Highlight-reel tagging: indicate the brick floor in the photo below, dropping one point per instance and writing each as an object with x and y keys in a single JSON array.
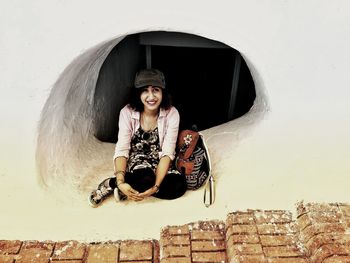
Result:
[
  {"x": 195, "y": 242},
  {"x": 103, "y": 252},
  {"x": 319, "y": 233},
  {"x": 69, "y": 250}
]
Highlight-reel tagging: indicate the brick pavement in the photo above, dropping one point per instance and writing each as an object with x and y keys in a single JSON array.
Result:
[
  {"x": 318, "y": 233},
  {"x": 75, "y": 252}
]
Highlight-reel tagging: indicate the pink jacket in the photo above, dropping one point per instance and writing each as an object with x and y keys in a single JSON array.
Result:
[{"x": 168, "y": 127}]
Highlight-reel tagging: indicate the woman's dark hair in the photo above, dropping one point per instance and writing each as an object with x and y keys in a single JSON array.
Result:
[{"x": 136, "y": 103}]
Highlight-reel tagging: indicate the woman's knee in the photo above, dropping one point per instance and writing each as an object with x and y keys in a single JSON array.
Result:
[
  {"x": 172, "y": 187},
  {"x": 141, "y": 179}
]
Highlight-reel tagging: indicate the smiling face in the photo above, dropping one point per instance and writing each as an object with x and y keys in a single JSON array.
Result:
[{"x": 151, "y": 98}]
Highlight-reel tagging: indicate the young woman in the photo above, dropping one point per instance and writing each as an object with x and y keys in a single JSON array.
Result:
[{"x": 148, "y": 130}]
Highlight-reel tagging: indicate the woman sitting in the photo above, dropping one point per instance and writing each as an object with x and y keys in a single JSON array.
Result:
[{"x": 145, "y": 150}]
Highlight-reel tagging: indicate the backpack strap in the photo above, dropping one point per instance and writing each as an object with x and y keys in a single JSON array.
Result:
[
  {"x": 209, "y": 189},
  {"x": 209, "y": 192}
]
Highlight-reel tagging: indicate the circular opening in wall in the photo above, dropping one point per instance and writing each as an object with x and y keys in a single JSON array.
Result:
[{"x": 209, "y": 81}]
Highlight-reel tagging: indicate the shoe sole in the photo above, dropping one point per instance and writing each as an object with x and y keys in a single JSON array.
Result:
[
  {"x": 116, "y": 195},
  {"x": 91, "y": 204}
]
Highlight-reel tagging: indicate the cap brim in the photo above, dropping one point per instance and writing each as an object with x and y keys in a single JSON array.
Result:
[{"x": 145, "y": 83}]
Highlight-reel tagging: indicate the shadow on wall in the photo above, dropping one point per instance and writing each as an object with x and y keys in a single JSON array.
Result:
[{"x": 210, "y": 83}]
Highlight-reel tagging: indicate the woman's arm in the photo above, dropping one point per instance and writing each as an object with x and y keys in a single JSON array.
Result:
[
  {"x": 122, "y": 147},
  {"x": 120, "y": 168},
  {"x": 162, "y": 169},
  {"x": 121, "y": 154},
  {"x": 171, "y": 134}
]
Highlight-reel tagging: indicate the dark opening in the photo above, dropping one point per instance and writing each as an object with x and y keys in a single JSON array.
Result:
[
  {"x": 210, "y": 83},
  {"x": 199, "y": 80}
]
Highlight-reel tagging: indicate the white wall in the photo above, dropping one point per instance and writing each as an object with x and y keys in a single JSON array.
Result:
[{"x": 299, "y": 149}]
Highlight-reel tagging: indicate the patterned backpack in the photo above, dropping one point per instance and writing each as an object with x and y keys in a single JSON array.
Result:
[{"x": 192, "y": 158}]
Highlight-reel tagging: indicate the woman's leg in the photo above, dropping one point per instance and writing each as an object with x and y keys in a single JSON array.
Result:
[
  {"x": 141, "y": 179},
  {"x": 173, "y": 186}
]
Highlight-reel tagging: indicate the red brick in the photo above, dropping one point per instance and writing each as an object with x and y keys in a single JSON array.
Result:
[
  {"x": 46, "y": 245},
  {"x": 267, "y": 211},
  {"x": 321, "y": 208},
  {"x": 341, "y": 239},
  {"x": 33, "y": 256},
  {"x": 301, "y": 209},
  {"x": 277, "y": 240},
  {"x": 264, "y": 217},
  {"x": 69, "y": 250},
  {"x": 240, "y": 218},
  {"x": 337, "y": 259},
  {"x": 330, "y": 250},
  {"x": 176, "y": 251},
  {"x": 106, "y": 253},
  {"x": 6, "y": 258},
  {"x": 202, "y": 234},
  {"x": 276, "y": 229},
  {"x": 136, "y": 250},
  {"x": 10, "y": 246},
  {"x": 209, "y": 257},
  {"x": 241, "y": 229},
  {"x": 67, "y": 261},
  {"x": 248, "y": 259},
  {"x": 242, "y": 249},
  {"x": 347, "y": 222},
  {"x": 345, "y": 209},
  {"x": 156, "y": 251},
  {"x": 289, "y": 260},
  {"x": 131, "y": 261},
  {"x": 283, "y": 251},
  {"x": 303, "y": 221},
  {"x": 246, "y": 249},
  {"x": 250, "y": 239},
  {"x": 208, "y": 245},
  {"x": 330, "y": 217},
  {"x": 326, "y": 238},
  {"x": 34, "y": 251},
  {"x": 317, "y": 229},
  {"x": 175, "y": 240},
  {"x": 176, "y": 260},
  {"x": 178, "y": 230},
  {"x": 212, "y": 225}
]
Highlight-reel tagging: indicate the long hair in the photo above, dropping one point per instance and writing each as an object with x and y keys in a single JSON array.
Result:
[{"x": 136, "y": 104}]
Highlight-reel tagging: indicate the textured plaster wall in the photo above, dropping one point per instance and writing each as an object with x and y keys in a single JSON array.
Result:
[{"x": 293, "y": 145}]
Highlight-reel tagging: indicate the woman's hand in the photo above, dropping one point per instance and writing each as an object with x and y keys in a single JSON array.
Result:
[
  {"x": 131, "y": 193},
  {"x": 149, "y": 192}
]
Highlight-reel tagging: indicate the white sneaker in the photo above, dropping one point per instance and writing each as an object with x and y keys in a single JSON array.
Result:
[{"x": 116, "y": 195}]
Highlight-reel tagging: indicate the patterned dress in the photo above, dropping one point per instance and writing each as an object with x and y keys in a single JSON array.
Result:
[{"x": 144, "y": 152}]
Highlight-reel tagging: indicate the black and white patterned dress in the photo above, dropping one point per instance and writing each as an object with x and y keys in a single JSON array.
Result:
[{"x": 144, "y": 152}]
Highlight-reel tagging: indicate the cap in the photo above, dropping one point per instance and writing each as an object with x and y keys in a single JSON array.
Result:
[{"x": 146, "y": 77}]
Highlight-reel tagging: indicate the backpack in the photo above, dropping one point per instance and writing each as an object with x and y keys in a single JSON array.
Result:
[{"x": 192, "y": 158}]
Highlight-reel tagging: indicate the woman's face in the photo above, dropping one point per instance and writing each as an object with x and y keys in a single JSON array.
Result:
[{"x": 151, "y": 97}]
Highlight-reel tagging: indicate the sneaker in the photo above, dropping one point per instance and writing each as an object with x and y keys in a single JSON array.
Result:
[
  {"x": 102, "y": 192},
  {"x": 118, "y": 195}
]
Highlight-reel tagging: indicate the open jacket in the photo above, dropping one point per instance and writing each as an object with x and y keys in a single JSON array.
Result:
[{"x": 129, "y": 123}]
